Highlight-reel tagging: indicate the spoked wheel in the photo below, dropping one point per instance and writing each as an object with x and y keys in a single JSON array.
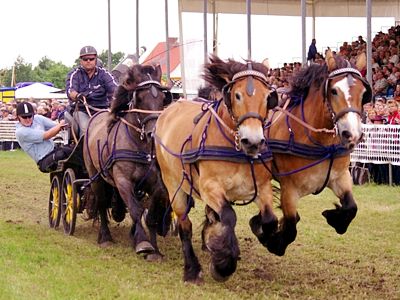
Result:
[
  {"x": 54, "y": 202},
  {"x": 69, "y": 202}
]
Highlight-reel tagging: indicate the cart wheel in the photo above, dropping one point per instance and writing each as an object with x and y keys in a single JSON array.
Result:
[
  {"x": 54, "y": 202},
  {"x": 69, "y": 202}
]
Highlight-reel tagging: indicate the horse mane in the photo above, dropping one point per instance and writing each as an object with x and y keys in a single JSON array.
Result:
[
  {"x": 219, "y": 72},
  {"x": 209, "y": 92},
  {"x": 135, "y": 75},
  {"x": 313, "y": 76}
]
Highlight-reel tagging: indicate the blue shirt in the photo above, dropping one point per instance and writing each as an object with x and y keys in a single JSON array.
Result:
[
  {"x": 31, "y": 138},
  {"x": 98, "y": 90}
]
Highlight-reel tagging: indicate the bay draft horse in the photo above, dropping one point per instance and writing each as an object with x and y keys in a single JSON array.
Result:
[
  {"x": 210, "y": 151},
  {"x": 311, "y": 143},
  {"x": 118, "y": 152}
]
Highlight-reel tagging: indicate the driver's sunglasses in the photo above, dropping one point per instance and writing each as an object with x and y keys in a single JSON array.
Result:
[
  {"x": 26, "y": 117},
  {"x": 88, "y": 58}
]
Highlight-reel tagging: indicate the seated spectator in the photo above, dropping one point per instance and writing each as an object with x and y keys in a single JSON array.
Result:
[
  {"x": 61, "y": 110},
  {"x": 396, "y": 95},
  {"x": 5, "y": 114},
  {"x": 392, "y": 82},
  {"x": 54, "y": 110},
  {"x": 394, "y": 57},
  {"x": 393, "y": 116},
  {"x": 380, "y": 86},
  {"x": 373, "y": 118}
]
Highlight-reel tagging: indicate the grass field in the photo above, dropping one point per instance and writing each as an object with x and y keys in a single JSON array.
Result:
[{"x": 37, "y": 262}]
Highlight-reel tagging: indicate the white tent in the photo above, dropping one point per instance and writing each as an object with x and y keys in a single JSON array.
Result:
[{"x": 39, "y": 91}]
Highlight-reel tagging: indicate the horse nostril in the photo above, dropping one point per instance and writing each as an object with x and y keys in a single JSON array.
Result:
[
  {"x": 346, "y": 134},
  {"x": 149, "y": 135},
  {"x": 245, "y": 141},
  {"x": 262, "y": 142}
]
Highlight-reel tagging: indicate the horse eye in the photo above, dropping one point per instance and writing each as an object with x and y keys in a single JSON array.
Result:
[
  {"x": 334, "y": 92},
  {"x": 237, "y": 96}
]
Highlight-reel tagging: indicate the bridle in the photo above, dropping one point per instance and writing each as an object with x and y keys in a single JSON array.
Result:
[
  {"x": 155, "y": 87},
  {"x": 226, "y": 91},
  {"x": 351, "y": 73}
]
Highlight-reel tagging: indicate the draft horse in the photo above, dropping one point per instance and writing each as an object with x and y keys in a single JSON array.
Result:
[
  {"x": 212, "y": 151},
  {"x": 311, "y": 142},
  {"x": 119, "y": 153}
]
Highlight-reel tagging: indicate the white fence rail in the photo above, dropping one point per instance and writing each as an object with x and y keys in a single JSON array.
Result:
[{"x": 381, "y": 145}]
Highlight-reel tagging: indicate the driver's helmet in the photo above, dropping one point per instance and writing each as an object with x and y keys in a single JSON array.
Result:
[
  {"x": 25, "y": 109},
  {"x": 88, "y": 50}
]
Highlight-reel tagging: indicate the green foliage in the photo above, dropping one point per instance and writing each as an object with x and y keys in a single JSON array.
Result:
[
  {"x": 42, "y": 263},
  {"x": 5, "y": 77},
  {"x": 24, "y": 71},
  {"x": 115, "y": 58},
  {"x": 48, "y": 70}
]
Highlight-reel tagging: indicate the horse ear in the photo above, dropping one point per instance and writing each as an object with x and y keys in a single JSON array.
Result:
[
  {"x": 158, "y": 71},
  {"x": 361, "y": 61},
  {"x": 128, "y": 81},
  {"x": 330, "y": 60}
]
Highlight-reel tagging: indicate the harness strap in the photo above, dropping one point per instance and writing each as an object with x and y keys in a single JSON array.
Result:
[{"x": 306, "y": 125}]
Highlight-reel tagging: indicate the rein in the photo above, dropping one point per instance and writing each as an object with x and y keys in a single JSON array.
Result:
[{"x": 305, "y": 124}]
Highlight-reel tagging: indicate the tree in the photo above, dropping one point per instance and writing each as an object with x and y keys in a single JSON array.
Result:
[
  {"x": 115, "y": 58},
  {"x": 50, "y": 71},
  {"x": 24, "y": 71}
]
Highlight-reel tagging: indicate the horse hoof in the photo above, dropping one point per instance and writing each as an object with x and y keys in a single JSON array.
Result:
[
  {"x": 337, "y": 220},
  {"x": 144, "y": 248},
  {"x": 197, "y": 280},
  {"x": 154, "y": 257},
  {"x": 105, "y": 244},
  {"x": 217, "y": 277}
]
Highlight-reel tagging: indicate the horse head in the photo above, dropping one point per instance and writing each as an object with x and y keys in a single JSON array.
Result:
[
  {"x": 346, "y": 91},
  {"x": 142, "y": 93},
  {"x": 247, "y": 97}
]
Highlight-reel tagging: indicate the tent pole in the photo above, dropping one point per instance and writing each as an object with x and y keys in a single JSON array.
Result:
[
  {"x": 205, "y": 30},
  {"x": 109, "y": 38},
  {"x": 248, "y": 11},
  {"x": 369, "y": 41},
  {"x": 182, "y": 52},
  {"x": 303, "y": 31},
  {"x": 137, "y": 30},
  {"x": 167, "y": 43}
]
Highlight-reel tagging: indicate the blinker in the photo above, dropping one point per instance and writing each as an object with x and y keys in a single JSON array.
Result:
[
  {"x": 154, "y": 91},
  {"x": 250, "y": 85}
]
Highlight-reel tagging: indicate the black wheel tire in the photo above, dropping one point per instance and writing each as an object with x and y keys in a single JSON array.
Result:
[
  {"x": 69, "y": 202},
  {"x": 55, "y": 202}
]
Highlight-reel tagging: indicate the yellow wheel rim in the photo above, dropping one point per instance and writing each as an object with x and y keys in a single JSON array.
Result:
[
  {"x": 69, "y": 203},
  {"x": 54, "y": 211}
]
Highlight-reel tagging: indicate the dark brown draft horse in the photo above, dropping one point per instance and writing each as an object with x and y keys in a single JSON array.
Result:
[
  {"x": 211, "y": 151},
  {"x": 311, "y": 143},
  {"x": 118, "y": 153}
]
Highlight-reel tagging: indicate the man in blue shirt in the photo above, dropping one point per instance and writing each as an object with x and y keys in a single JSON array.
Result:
[
  {"x": 312, "y": 51},
  {"x": 34, "y": 133},
  {"x": 91, "y": 82}
]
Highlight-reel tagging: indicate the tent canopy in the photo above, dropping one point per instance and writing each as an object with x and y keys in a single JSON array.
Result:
[
  {"x": 39, "y": 91},
  {"x": 316, "y": 8}
]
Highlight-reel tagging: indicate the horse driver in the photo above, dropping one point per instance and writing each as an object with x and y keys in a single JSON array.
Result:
[
  {"x": 34, "y": 133},
  {"x": 89, "y": 81}
]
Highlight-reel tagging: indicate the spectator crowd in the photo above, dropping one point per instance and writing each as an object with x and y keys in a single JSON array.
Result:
[{"x": 50, "y": 108}]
